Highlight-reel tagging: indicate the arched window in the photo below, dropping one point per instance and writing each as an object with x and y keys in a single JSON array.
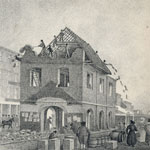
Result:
[
  {"x": 90, "y": 119},
  {"x": 101, "y": 120},
  {"x": 110, "y": 119}
]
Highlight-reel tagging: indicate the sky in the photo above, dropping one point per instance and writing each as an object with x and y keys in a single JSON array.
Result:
[{"x": 118, "y": 29}]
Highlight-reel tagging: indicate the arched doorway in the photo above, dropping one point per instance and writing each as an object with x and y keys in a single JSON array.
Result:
[
  {"x": 110, "y": 119},
  {"x": 101, "y": 120},
  {"x": 53, "y": 118},
  {"x": 90, "y": 119}
]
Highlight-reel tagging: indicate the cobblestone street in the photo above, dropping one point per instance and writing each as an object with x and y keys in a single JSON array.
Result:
[
  {"x": 138, "y": 146},
  {"x": 10, "y": 136},
  {"x": 124, "y": 146}
]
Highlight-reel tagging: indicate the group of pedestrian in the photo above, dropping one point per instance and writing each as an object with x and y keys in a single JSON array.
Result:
[
  {"x": 82, "y": 133},
  {"x": 131, "y": 133}
]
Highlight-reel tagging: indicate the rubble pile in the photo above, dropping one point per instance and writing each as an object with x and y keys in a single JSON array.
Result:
[{"x": 23, "y": 135}]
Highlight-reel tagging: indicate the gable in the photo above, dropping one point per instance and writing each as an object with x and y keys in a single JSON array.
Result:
[
  {"x": 67, "y": 42},
  {"x": 50, "y": 90}
]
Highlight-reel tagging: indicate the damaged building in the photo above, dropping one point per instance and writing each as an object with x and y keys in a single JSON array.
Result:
[
  {"x": 67, "y": 82},
  {"x": 9, "y": 85}
]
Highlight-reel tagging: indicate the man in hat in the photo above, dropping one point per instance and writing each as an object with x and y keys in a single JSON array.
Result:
[
  {"x": 74, "y": 127},
  {"x": 53, "y": 135},
  {"x": 83, "y": 135},
  {"x": 147, "y": 129}
]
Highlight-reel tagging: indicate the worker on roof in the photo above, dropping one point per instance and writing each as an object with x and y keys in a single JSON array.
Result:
[
  {"x": 55, "y": 41},
  {"x": 42, "y": 44},
  {"x": 61, "y": 35},
  {"x": 50, "y": 51},
  {"x": 67, "y": 51}
]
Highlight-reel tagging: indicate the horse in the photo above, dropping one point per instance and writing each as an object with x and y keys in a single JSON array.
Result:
[{"x": 8, "y": 122}]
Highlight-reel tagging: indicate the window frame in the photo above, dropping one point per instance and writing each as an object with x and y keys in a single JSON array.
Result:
[
  {"x": 110, "y": 92},
  {"x": 65, "y": 81},
  {"x": 31, "y": 77},
  {"x": 101, "y": 84},
  {"x": 89, "y": 86}
]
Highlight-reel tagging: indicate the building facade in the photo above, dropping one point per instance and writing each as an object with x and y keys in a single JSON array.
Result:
[
  {"x": 124, "y": 111},
  {"x": 67, "y": 82},
  {"x": 141, "y": 118},
  {"x": 9, "y": 84}
]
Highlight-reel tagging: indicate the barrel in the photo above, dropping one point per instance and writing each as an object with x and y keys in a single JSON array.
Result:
[
  {"x": 93, "y": 142},
  {"x": 102, "y": 140},
  {"x": 99, "y": 141},
  {"x": 120, "y": 137},
  {"x": 114, "y": 135},
  {"x": 107, "y": 138}
]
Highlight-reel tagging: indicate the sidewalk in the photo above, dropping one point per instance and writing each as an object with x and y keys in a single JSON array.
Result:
[
  {"x": 138, "y": 146},
  {"x": 124, "y": 146}
]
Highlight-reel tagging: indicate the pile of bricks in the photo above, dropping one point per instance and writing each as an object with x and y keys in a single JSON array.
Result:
[
  {"x": 31, "y": 140},
  {"x": 23, "y": 135}
]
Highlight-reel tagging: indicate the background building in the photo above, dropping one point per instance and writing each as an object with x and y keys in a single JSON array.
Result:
[
  {"x": 9, "y": 84},
  {"x": 124, "y": 111}
]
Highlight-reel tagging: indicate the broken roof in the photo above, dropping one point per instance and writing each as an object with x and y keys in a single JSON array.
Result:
[
  {"x": 50, "y": 90},
  {"x": 70, "y": 37}
]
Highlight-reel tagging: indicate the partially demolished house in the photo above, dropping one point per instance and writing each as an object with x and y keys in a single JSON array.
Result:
[{"x": 67, "y": 82}]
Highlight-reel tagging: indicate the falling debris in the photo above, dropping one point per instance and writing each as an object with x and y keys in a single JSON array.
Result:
[
  {"x": 125, "y": 88},
  {"x": 121, "y": 83}
]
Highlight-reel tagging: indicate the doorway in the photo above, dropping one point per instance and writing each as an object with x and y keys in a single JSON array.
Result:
[{"x": 53, "y": 118}]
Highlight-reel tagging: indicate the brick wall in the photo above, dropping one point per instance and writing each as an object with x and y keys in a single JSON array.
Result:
[
  {"x": 111, "y": 99},
  {"x": 50, "y": 73},
  {"x": 78, "y": 84}
]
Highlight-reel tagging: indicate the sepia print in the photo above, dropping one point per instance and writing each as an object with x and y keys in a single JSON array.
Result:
[{"x": 74, "y": 75}]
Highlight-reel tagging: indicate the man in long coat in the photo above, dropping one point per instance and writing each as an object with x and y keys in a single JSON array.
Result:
[
  {"x": 83, "y": 135},
  {"x": 131, "y": 136}
]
